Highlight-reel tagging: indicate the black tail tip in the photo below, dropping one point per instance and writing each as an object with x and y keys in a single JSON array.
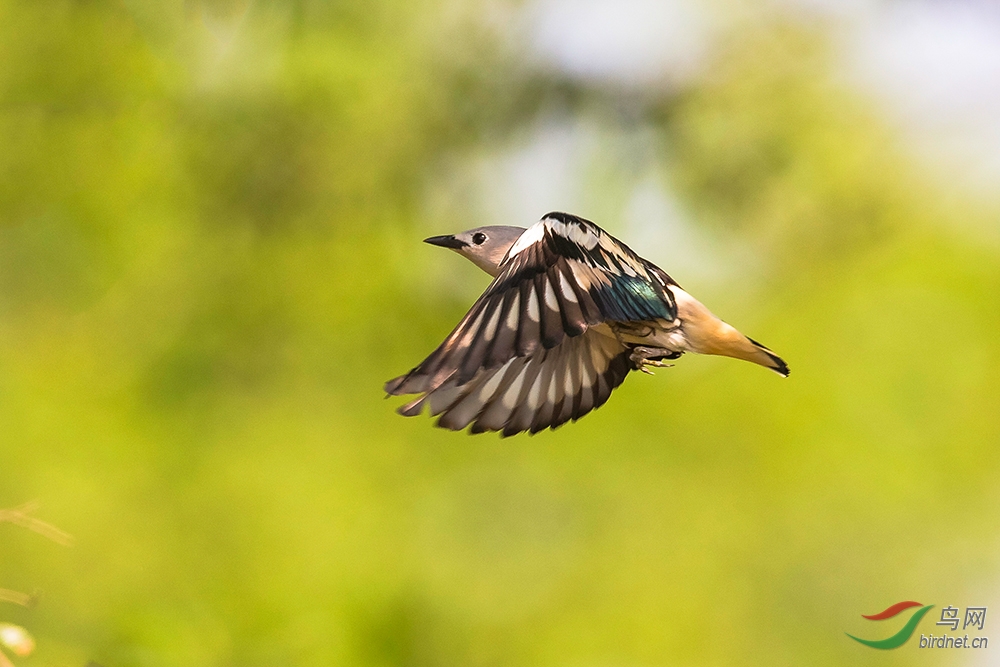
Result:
[{"x": 779, "y": 366}]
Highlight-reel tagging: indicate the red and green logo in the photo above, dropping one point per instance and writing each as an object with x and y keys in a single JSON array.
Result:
[{"x": 904, "y": 634}]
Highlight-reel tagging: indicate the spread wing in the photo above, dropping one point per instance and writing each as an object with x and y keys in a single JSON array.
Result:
[
  {"x": 532, "y": 393},
  {"x": 541, "y": 321}
]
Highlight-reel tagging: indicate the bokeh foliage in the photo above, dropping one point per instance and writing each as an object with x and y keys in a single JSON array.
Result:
[{"x": 210, "y": 217}]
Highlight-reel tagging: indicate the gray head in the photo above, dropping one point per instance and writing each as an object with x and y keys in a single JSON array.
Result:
[{"x": 483, "y": 246}]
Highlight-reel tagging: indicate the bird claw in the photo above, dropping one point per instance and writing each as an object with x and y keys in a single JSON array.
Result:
[
  {"x": 643, "y": 358},
  {"x": 644, "y": 366}
]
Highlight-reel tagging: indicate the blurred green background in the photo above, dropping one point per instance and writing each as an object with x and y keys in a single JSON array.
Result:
[{"x": 210, "y": 261}]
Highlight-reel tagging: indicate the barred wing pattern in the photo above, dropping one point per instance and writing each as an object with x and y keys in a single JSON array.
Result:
[
  {"x": 532, "y": 393},
  {"x": 535, "y": 350}
]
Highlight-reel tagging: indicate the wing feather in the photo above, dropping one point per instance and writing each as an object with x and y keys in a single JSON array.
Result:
[
  {"x": 503, "y": 347},
  {"x": 568, "y": 303},
  {"x": 552, "y": 328},
  {"x": 532, "y": 393},
  {"x": 529, "y": 328},
  {"x": 535, "y": 350}
]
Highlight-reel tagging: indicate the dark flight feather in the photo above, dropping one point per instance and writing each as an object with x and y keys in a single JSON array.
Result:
[{"x": 534, "y": 351}]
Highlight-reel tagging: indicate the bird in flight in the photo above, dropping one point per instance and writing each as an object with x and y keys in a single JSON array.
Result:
[{"x": 570, "y": 312}]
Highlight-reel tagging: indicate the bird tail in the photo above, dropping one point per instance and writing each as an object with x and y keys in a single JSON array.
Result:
[
  {"x": 726, "y": 341},
  {"x": 707, "y": 334},
  {"x": 729, "y": 342},
  {"x": 765, "y": 357}
]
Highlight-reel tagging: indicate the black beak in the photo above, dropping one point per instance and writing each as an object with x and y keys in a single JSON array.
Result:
[{"x": 446, "y": 242}]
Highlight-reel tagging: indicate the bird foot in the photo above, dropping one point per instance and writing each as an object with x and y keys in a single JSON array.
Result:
[{"x": 643, "y": 358}]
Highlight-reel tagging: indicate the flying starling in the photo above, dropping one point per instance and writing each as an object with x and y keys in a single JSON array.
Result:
[{"x": 570, "y": 312}]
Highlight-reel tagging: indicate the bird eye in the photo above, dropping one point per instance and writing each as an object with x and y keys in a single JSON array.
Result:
[{"x": 479, "y": 238}]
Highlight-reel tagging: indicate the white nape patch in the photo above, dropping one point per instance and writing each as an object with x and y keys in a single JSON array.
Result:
[{"x": 531, "y": 236}]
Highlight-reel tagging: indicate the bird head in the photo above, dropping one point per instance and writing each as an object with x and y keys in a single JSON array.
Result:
[{"x": 483, "y": 246}]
